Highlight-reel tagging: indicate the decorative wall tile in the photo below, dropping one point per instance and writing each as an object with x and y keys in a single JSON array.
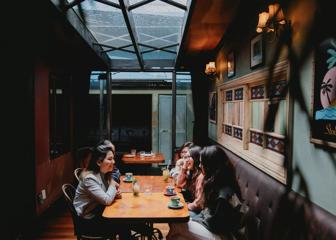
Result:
[
  {"x": 258, "y": 92},
  {"x": 228, "y": 96},
  {"x": 277, "y": 88},
  {"x": 228, "y": 130},
  {"x": 238, "y": 133},
  {"x": 256, "y": 138},
  {"x": 275, "y": 144},
  {"x": 239, "y": 94}
]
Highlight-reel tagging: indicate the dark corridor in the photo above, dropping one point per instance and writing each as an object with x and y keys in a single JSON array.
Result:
[{"x": 131, "y": 121}]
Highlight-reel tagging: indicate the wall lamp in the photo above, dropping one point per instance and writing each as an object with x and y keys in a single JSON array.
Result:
[
  {"x": 210, "y": 69},
  {"x": 271, "y": 21}
]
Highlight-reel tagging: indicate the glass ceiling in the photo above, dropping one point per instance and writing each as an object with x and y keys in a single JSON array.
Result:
[{"x": 136, "y": 34}]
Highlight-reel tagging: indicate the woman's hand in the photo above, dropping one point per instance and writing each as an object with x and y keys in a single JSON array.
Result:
[
  {"x": 188, "y": 164},
  {"x": 114, "y": 183},
  {"x": 118, "y": 194}
]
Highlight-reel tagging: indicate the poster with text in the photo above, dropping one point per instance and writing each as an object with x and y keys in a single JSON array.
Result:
[{"x": 324, "y": 94}]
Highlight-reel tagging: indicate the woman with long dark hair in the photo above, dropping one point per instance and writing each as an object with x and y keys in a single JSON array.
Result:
[
  {"x": 190, "y": 179},
  {"x": 220, "y": 218}
]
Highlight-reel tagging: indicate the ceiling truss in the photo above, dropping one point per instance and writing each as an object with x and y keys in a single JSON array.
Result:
[{"x": 140, "y": 47}]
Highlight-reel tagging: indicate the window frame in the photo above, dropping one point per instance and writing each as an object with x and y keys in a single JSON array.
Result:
[{"x": 270, "y": 161}]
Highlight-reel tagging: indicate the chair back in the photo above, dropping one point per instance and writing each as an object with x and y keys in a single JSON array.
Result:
[
  {"x": 69, "y": 195},
  {"x": 78, "y": 172}
]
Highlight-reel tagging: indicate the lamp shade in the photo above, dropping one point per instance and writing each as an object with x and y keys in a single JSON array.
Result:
[
  {"x": 210, "y": 68},
  {"x": 263, "y": 17},
  {"x": 276, "y": 13}
]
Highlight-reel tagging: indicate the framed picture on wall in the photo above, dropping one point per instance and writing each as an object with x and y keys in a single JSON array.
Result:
[
  {"x": 323, "y": 129},
  {"x": 230, "y": 64},
  {"x": 256, "y": 51},
  {"x": 213, "y": 107}
]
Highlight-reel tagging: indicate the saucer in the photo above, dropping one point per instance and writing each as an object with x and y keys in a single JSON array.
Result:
[
  {"x": 175, "y": 207},
  {"x": 128, "y": 181},
  {"x": 169, "y": 194}
]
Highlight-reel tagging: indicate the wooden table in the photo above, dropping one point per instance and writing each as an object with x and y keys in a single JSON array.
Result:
[
  {"x": 157, "y": 183},
  {"x": 146, "y": 208},
  {"x": 129, "y": 159}
]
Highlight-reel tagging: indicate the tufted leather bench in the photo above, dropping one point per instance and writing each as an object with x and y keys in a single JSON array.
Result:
[{"x": 275, "y": 213}]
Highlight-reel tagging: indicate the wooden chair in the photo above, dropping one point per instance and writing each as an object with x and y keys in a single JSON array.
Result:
[
  {"x": 78, "y": 172},
  {"x": 69, "y": 194}
]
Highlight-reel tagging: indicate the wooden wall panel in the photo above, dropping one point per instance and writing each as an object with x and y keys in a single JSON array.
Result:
[{"x": 49, "y": 174}]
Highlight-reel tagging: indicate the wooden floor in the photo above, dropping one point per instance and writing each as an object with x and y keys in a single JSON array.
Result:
[{"x": 56, "y": 224}]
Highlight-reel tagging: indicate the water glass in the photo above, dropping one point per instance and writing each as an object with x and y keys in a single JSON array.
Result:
[
  {"x": 147, "y": 189},
  {"x": 165, "y": 174}
]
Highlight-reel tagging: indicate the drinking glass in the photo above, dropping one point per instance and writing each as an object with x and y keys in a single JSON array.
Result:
[
  {"x": 165, "y": 174},
  {"x": 147, "y": 189}
]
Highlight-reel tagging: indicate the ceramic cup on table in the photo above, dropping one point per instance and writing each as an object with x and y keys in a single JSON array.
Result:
[
  {"x": 175, "y": 201},
  {"x": 170, "y": 190},
  {"x": 128, "y": 176},
  {"x": 133, "y": 152}
]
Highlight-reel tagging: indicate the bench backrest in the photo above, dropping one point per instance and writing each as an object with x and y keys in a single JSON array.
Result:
[{"x": 277, "y": 213}]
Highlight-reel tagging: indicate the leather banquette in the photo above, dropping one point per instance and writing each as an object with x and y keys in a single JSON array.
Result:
[{"x": 275, "y": 213}]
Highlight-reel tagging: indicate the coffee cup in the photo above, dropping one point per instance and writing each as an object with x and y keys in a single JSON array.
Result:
[
  {"x": 170, "y": 190},
  {"x": 133, "y": 151},
  {"x": 128, "y": 176},
  {"x": 175, "y": 201}
]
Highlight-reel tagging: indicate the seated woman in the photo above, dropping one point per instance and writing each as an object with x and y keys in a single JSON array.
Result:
[
  {"x": 115, "y": 172},
  {"x": 220, "y": 219},
  {"x": 179, "y": 163},
  {"x": 95, "y": 190},
  {"x": 190, "y": 179}
]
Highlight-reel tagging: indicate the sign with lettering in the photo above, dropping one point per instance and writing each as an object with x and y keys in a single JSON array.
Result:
[{"x": 324, "y": 95}]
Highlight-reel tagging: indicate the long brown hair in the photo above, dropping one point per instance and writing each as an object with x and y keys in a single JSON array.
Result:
[{"x": 218, "y": 173}]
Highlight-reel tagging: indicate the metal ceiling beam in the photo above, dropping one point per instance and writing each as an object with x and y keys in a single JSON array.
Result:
[
  {"x": 159, "y": 48},
  {"x": 115, "y": 48},
  {"x": 186, "y": 22},
  {"x": 128, "y": 17},
  {"x": 123, "y": 64},
  {"x": 74, "y": 3},
  {"x": 139, "y": 4},
  {"x": 112, "y": 4},
  {"x": 175, "y": 4},
  {"x": 120, "y": 49}
]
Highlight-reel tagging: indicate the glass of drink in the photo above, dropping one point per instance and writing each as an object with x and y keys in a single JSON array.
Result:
[{"x": 165, "y": 174}]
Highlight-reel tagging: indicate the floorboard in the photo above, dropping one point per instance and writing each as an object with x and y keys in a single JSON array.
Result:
[{"x": 56, "y": 224}]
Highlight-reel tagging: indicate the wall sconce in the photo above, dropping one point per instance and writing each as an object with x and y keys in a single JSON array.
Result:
[
  {"x": 272, "y": 20},
  {"x": 210, "y": 69}
]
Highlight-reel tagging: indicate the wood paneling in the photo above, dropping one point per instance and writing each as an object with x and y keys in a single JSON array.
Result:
[{"x": 49, "y": 174}]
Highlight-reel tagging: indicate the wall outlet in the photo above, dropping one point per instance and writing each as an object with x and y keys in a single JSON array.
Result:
[{"x": 44, "y": 194}]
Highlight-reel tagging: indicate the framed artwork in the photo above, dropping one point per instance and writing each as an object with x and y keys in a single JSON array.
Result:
[
  {"x": 230, "y": 64},
  {"x": 256, "y": 51},
  {"x": 213, "y": 107},
  {"x": 323, "y": 130}
]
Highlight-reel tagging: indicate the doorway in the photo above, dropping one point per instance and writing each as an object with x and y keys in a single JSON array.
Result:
[
  {"x": 131, "y": 121},
  {"x": 165, "y": 124}
]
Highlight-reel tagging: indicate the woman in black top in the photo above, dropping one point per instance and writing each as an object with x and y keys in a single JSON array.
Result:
[{"x": 221, "y": 217}]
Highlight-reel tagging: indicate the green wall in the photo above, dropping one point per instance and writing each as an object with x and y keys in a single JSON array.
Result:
[{"x": 315, "y": 163}]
